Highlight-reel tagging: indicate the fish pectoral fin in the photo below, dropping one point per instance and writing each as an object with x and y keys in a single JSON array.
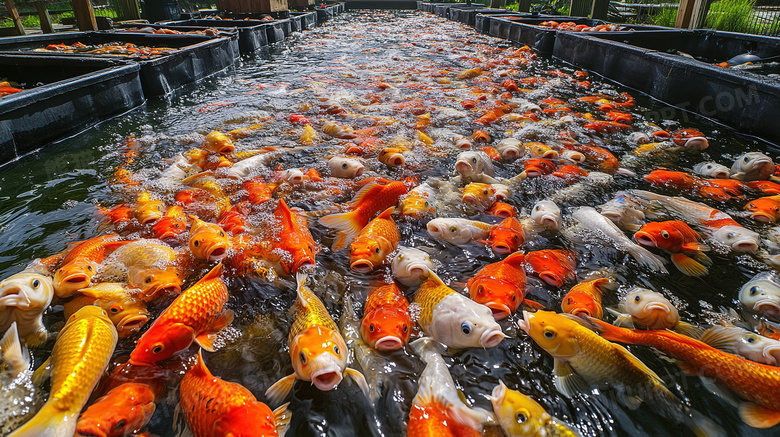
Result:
[
  {"x": 282, "y": 416},
  {"x": 532, "y": 304},
  {"x": 692, "y": 331},
  {"x": 42, "y": 373},
  {"x": 758, "y": 416},
  {"x": 206, "y": 339},
  {"x": 567, "y": 381},
  {"x": 622, "y": 320},
  {"x": 49, "y": 420},
  {"x": 718, "y": 338},
  {"x": 281, "y": 388},
  {"x": 688, "y": 265},
  {"x": 696, "y": 247},
  {"x": 702, "y": 258},
  {"x": 359, "y": 379},
  {"x": 13, "y": 352}
]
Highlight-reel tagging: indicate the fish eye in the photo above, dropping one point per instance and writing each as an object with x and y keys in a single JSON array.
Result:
[
  {"x": 157, "y": 348},
  {"x": 521, "y": 418},
  {"x": 401, "y": 256},
  {"x": 465, "y": 327},
  {"x": 176, "y": 225},
  {"x": 515, "y": 237},
  {"x": 371, "y": 327},
  {"x": 196, "y": 243},
  {"x": 376, "y": 250},
  {"x": 89, "y": 268},
  {"x": 537, "y": 207},
  {"x": 751, "y": 205},
  {"x": 121, "y": 424},
  {"x": 480, "y": 289},
  {"x": 406, "y": 329},
  {"x": 221, "y": 234},
  {"x": 303, "y": 358},
  {"x": 754, "y": 290},
  {"x": 426, "y": 203},
  {"x": 637, "y": 298},
  {"x": 731, "y": 235},
  {"x": 751, "y": 339},
  {"x": 514, "y": 298},
  {"x": 336, "y": 349},
  {"x": 549, "y": 334},
  {"x": 453, "y": 229},
  {"x": 344, "y": 165},
  {"x": 115, "y": 308},
  {"x": 665, "y": 234},
  {"x": 484, "y": 192},
  {"x": 36, "y": 283},
  {"x": 709, "y": 166},
  {"x": 474, "y": 160},
  {"x": 746, "y": 159}
]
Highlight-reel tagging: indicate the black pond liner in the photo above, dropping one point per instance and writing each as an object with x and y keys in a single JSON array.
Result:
[
  {"x": 329, "y": 11},
  {"x": 252, "y": 34},
  {"x": 745, "y": 101},
  {"x": 77, "y": 93},
  {"x": 527, "y": 31},
  {"x": 482, "y": 21},
  {"x": 468, "y": 16},
  {"x": 197, "y": 56},
  {"x": 226, "y": 32},
  {"x": 303, "y": 20}
]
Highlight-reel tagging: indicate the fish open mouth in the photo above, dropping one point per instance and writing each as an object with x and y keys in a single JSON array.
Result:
[
  {"x": 434, "y": 230},
  {"x": 132, "y": 323},
  {"x": 498, "y": 393},
  {"x": 769, "y": 307},
  {"x": 358, "y": 172},
  {"x": 470, "y": 199},
  {"x": 658, "y": 306},
  {"x": 502, "y": 214},
  {"x": 396, "y": 160},
  {"x": 217, "y": 253},
  {"x": 501, "y": 248},
  {"x": 418, "y": 271},
  {"x": 550, "y": 154},
  {"x": 500, "y": 311},
  {"x": 697, "y": 143},
  {"x": 14, "y": 296},
  {"x": 745, "y": 246},
  {"x": 491, "y": 338},
  {"x": 511, "y": 153},
  {"x": 549, "y": 222},
  {"x": 463, "y": 167},
  {"x": 533, "y": 172},
  {"x": 721, "y": 174},
  {"x": 362, "y": 266},
  {"x": 327, "y": 380},
  {"x": 551, "y": 278},
  {"x": 576, "y": 157},
  {"x": 303, "y": 263},
  {"x": 772, "y": 353},
  {"x": 762, "y": 217},
  {"x": 90, "y": 430},
  {"x": 388, "y": 343},
  {"x": 644, "y": 239}
]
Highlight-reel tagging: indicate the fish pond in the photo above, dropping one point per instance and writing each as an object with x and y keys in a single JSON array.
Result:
[{"x": 382, "y": 70}]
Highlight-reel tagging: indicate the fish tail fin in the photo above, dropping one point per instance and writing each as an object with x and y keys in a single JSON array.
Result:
[
  {"x": 758, "y": 416},
  {"x": 48, "y": 422},
  {"x": 427, "y": 348},
  {"x": 703, "y": 426},
  {"x": 282, "y": 416},
  {"x": 347, "y": 224},
  {"x": 689, "y": 266},
  {"x": 13, "y": 352},
  {"x": 200, "y": 366}
]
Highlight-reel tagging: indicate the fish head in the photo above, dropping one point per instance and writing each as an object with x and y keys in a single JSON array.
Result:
[
  {"x": 149, "y": 211},
  {"x": 386, "y": 328},
  {"x": 469, "y": 163},
  {"x": 89, "y": 311},
  {"x": 391, "y": 157},
  {"x": 319, "y": 355},
  {"x": 555, "y": 333},
  {"x": 251, "y": 418},
  {"x": 208, "y": 241},
  {"x": 154, "y": 281},
  {"x": 502, "y": 210},
  {"x": 416, "y": 205},
  {"x": 73, "y": 276},
  {"x": 712, "y": 170},
  {"x": 738, "y": 238},
  {"x": 510, "y": 148},
  {"x": 441, "y": 228},
  {"x": 536, "y": 167},
  {"x": 479, "y": 195},
  {"x": 127, "y": 314},
  {"x": 123, "y": 411},
  {"x": 762, "y": 295},
  {"x": 579, "y": 304},
  {"x": 26, "y": 290},
  {"x": 651, "y": 309},
  {"x": 752, "y": 166},
  {"x": 765, "y": 209},
  {"x": 160, "y": 342},
  {"x": 218, "y": 142},
  {"x": 506, "y": 237},
  {"x": 540, "y": 150},
  {"x": 293, "y": 176},
  {"x": 517, "y": 413},
  {"x": 463, "y": 323},
  {"x": 547, "y": 214},
  {"x": 691, "y": 140},
  {"x": 346, "y": 168},
  {"x": 168, "y": 227},
  {"x": 501, "y": 296},
  {"x": 366, "y": 253},
  {"x": 661, "y": 235},
  {"x": 411, "y": 266}
]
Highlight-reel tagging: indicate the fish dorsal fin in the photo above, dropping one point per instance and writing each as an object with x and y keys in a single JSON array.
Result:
[
  {"x": 364, "y": 192},
  {"x": 599, "y": 285},
  {"x": 215, "y": 273},
  {"x": 515, "y": 260},
  {"x": 189, "y": 179},
  {"x": 282, "y": 417},
  {"x": 639, "y": 365},
  {"x": 567, "y": 381},
  {"x": 300, "y": 279},
  {"x": 285, "y": 213},
  {"x": 719, "y": 337},
  {"x": 13, "y": 351},
  {"x": 385, "y": 215},
  {"x": 200, "y": 368}
]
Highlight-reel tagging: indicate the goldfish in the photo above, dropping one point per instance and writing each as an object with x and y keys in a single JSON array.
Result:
[
  {"x": 124, "y": 410},
  {"x": 21, "y": 398},
  {"x": 765, "y": 209},
  {"x": 392, "y": 157},
  {"x": 308, "y": 135},
  {"x": 370, "y": 200},
  {"x": 683, "y": 181},
  {"x": 712, "y": 170},
  {"x": 411, "y": 266},
  {"x": 761, "y": 295},
  {"x": 295, "y": 239},
  {"x": 478, "y": 195},
  {"x": 23, "y": 299},
  {"x": 510, "y": 149},
  {"x": 213, "y": 407},
  {"x": 502, "y": 210},
  {"x": 752, "y": 166},
  {"x": 126, "y": 313},
  {"x": 554, "y": 266},
  {"x": 500, "y": 286},
  {"x": 677, "y": 237},
  {"x": 317, "y": 349},
  {"x": 172, "y": 223},
  {"x": 690, "y": 139},
  {"x": 585, "y": 298},
  {"x": 625, "y": 212},
  {"x": 506, "y": 237},
  {"x": 386, "y": 324},
  {"x": 376, "y": 241},
  {"x": 418, "y": 202},
  {"x": 475, "y": 167},
  {"x": 744, "y": 343},
  {"x": 437, "y": 410},
  {"x": 80, "y": 264},
  {"x": 336, "y": 130},
  {"x": 147, "y": 210},
  {"x": 459, "y": 231},
  {"x": 521, "y": 416},
  {"x": 218, "y": 142},
  {"x": 454, "y": 320},
  {"x": 87, "y": 337},
  {"x": 346, "y": 168},
  {"x": 591, "y": 220},
  {"x": 754, "y": 382},
  {"x": 207, "y": 240},
  {"x": 714, "y": 223},
  {"x": 582, "y": 360},
  {"x": 547, "y": 214},
  {"x": 766, "y": 187},
  {"x": 195, "y": 315},
  {"x": 541, "y": 150},
  {"x": 535, "y": 167}
]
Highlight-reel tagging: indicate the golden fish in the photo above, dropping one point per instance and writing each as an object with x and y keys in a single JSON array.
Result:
[{"x": 125, "y": 312}]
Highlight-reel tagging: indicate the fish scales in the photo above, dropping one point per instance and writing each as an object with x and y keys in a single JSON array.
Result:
[
  {"x": 428, "y": 296},
  {"x": 313, "y": 314}
]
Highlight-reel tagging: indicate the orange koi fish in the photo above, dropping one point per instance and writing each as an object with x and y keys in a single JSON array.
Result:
[
  {"x": 506, "y": 237},
  {"x": 677, "y": 237},
  {"x": 500, "y": 286},
  {"x": 554, "y": 266},
  {"x": 584, "y": 299},
  {"x": 295, "y": 239},
  {"x": 208, "y": 240},
  {"x": 376, "y": 241},
  {"x": 386, "y": 323},
  {"x": 80, "y": 264},
  {"x": 124, "y": 410},
  {"x": 173, "y": 223}
]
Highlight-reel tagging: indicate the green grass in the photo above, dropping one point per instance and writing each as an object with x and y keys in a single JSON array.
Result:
[
  {"x": 730, "y": 15},
  {"x": 667, "y": 17}
]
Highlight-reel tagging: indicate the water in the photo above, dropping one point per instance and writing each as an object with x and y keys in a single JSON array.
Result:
[{"x": 52, "y": 197}]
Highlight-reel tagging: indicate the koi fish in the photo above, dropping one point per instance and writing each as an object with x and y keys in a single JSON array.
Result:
[
  {"x": 584, "y": 299},
  {"x": 23, "y": 299},
  {"x": 500, "y": 286},
  {"x": 554, "y": 266},
  {"x": 386, "y": 324},
  {"x": 411, "y": 266},
  {"x": 295, "y": 239},
  {"x": 80, "y": 264},
  {"x": 678, "y": 238},
  {"x": 376, "y": 241},
  {"x": 506, "y": 237}
]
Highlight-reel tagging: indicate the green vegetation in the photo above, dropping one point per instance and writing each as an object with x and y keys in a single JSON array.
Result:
[
  {"x": 667, "y": 17},
  {"x": 730, "y": 15}
]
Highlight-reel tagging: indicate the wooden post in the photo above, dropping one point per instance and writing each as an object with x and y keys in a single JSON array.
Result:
[
  {"x": 684, "y": 13},
  {"x": 85, "y": 15},
  {"x": 43, "y": 13},
  {"x": 15, "y": 17},
  {"x": 599, "y": 9},
  {"x": 700, "y": 9},
  {"x": 524, "y": 6}
]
